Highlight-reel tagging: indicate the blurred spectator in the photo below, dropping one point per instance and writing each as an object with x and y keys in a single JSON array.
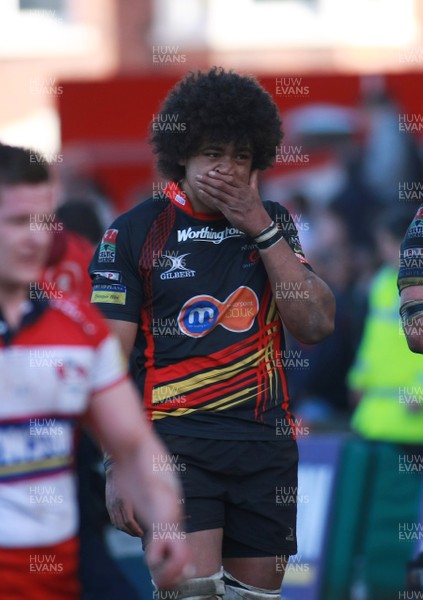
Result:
[
  {"x": 389, "y": 156},
  {"x": 81, "y": 217},
  {"x": 83, "y": 189},
  {"x": 384, "y": 365}
]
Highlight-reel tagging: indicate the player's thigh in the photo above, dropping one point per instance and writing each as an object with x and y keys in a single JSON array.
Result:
[
  {"x": 206, "y": 548},
  {"x": 262, "y": 571}
]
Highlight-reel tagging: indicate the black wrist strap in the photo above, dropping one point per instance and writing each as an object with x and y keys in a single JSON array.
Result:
[{"x": 270, "y": 241}]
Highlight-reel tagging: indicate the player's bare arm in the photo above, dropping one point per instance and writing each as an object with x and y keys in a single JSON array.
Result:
[
  {"x": 412, "y": 316},
  {"x": 126, "y": 332},
  {"x": 309, "y": 320},
  {"x": 117, "y": 419},
  {"x": 118, "y": 504}
]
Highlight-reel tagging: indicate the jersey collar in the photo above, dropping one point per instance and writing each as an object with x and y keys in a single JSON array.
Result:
[
  {"x": 178, "y": 197},
  {"x": 32, "y": 311}
]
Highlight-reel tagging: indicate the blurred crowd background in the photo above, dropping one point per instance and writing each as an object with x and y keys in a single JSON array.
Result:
[{"x": 81, "y": 82}]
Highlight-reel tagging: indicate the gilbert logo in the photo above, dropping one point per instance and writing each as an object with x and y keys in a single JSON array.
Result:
[{"x": 178, "y": 270}]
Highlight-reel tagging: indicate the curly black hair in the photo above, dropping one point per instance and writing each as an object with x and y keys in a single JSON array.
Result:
[{"x": 217, "y": 106}]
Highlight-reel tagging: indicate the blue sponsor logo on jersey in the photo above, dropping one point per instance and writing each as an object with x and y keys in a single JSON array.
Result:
[
  {"x": 200, "y": 314},
  {"x": 199, "y": 317}
]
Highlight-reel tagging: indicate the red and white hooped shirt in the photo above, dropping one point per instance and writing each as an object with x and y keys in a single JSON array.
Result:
[{"x": 61, "y": 354}]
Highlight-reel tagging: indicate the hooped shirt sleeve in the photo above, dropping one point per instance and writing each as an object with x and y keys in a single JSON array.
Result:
[
  {"x": 411, "y": 254},
  {"x": 110, "y": 365},
  {"x": 100, "y": 358},
  {"x": 116, "y": 285}
]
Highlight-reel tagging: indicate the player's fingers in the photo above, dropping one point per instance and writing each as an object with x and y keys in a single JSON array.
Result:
[
  {"x": 211, "y": 199},
  {"x": 254, "y": 179},
  {"x": 129, "y": 523},
  {"x": 114, "y": 515},
  {"x": 221, "y": 184},
  {"x": 169, "y": 563},
  {"x": 116, "y": 519},
  {"x": 217, "y": 191},
  {"x": 227, "y": 178},
  {"x": 122, "y": 519},
  {"x": 217, "y": 205}
]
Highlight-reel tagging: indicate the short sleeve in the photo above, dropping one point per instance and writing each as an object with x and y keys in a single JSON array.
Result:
[
  {"x": 116, "y": 283},
  {"x": 109, "y": 366},
  {"x": 83, "y": 325}
]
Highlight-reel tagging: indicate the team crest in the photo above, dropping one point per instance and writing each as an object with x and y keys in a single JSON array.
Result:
[{"x": 107, "y": 251}]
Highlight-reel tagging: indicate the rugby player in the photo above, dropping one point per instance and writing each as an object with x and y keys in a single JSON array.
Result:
[
  {"x": 195, "y": 282},
  {"x": 59, "y": 363}
]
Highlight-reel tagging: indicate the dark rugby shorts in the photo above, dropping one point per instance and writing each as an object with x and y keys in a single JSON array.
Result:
[{"x": 248, "y": 488}]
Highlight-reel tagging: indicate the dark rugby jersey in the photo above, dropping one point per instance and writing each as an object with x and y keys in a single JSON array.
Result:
[
  {"x": 208, "y": 353},
  {"x": 411, "y": 254}
]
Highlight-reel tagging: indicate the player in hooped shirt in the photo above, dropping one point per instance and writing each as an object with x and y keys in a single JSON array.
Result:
[
  {"x": 58, "y": 364},
  {"x": 194, "y": 282}
]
